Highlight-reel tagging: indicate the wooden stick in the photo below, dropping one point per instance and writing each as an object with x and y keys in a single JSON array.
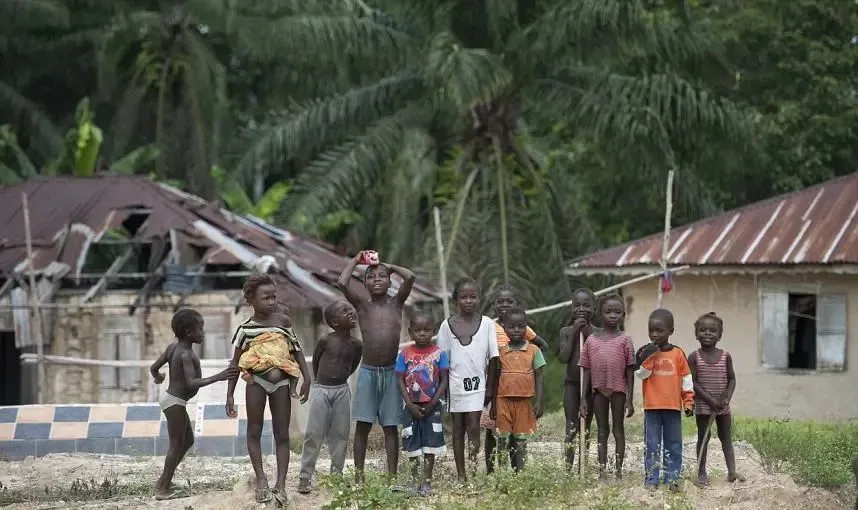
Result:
[
  {"x": 704, "y": 443},
  {"x": 582, "y": 461},
  {"x": 665, "y": 244},
  {"x": 36, "y": 328},
  {"x": 445, "y": 300}
]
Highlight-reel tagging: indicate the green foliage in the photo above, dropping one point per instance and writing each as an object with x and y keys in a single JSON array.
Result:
[{"x": 235, "y": 197}]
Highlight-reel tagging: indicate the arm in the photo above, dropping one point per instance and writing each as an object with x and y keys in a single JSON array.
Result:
[
  {"x": 492, "y": 376},
  {"x": 537, "y": 405},
  {"x": 585, "y": 389},
  {"x": 195, "y": 383},
  {"x": 156, "y": 366},
  {"x": 408, "y": 278},
  {"x": 567, "y": 344},
  {"x": 630, "y": 391},
  {"x": 443, "y": 382},
  {"x": 317, "y": 355},
  {"x": 357, "y": 356},
  {"x": 731, "y": 383},
  {"x": 698, "y": 390},
  {"x": 346, "y": 277},
  {"x": 230, "y": 386},
  {"x": 541, "y": 343},
  {"x": 304, "y": 392},
  {"x": 687, "y": 385},
  {"x": 492, "y": 386}
]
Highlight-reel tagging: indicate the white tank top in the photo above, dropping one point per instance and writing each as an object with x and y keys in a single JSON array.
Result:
[{"x": 468, "y": 362}]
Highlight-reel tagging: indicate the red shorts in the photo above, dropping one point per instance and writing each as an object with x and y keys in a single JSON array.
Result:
[{"x": 515, "y": 417}]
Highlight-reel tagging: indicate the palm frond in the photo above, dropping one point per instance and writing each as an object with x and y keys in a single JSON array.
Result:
[
  {"x": 462, "y": 75},
  {"x": 44, "y": 136}
]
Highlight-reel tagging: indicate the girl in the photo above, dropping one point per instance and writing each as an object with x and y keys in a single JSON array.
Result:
[
  {"x": 583, "y": 308},
  {"x": 267, "y": 335},
  {"x": 470, "y": 341},
  {"x": 608, "y": 361},
  {"x": 714, "y": 383},
  {"x": 506, "y": 299}
]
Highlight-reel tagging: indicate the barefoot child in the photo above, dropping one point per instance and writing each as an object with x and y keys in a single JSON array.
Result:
[
  {"x": 377, "y": 395},
  {"x": 507, "y": 299},
  {"x": 470, "y": 340},
  {"x": 185, "y": 381},
  {"x": 335, "y": 358},
  {"x": 266, "y": 347},
  {"x": 583, "y": 309},
  {"x": 422, "y": 370},
  {"x": 608, "y": 362},
  {"x": 517, "y": 401},
  {"x": 714, "y": 383},
  {"x": 667, "y": 391}
]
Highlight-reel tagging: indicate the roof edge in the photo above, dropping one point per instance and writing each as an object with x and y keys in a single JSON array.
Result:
[{"x": 711, "y": 270}]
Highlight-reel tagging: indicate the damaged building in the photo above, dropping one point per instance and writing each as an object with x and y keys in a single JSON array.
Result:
[{"x": 114, "y": 257}]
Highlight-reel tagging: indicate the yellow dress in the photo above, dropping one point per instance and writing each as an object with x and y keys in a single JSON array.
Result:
[{"x": 266, "y": 348}]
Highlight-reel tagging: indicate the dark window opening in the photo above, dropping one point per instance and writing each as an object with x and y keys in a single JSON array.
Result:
[
  {"x": 10, "y": 371},
  {"x": 802, "y": 331}
]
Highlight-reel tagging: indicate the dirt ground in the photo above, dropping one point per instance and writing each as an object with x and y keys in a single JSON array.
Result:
[{"x": 761, "y": 490}]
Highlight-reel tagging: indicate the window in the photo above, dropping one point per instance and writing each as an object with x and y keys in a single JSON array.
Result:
[
  {"x": 120, "y": 340},
  {"x": 803, "y": 331}
]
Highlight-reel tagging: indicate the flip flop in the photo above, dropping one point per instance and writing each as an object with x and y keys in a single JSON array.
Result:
[
  {"x": 280, "y": 497},
  {"x": 263, "y": 495},
  {"x": 174, "y": 494}
]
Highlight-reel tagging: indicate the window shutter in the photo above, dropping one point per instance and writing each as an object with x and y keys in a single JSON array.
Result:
[
  {"x": 774, "y": 332},
  {"x": 831, "y": 332}
]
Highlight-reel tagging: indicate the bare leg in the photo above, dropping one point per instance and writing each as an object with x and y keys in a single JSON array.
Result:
[
  {"x": 458, "y": 444},
  {"x": 281, "y": 414},
  {"x": 391, "y": 447},
  {"x": 362, "y": 429},
  {"x": 428, "y": 467},
  {"x": 725, "y": 435},
  {"x": 518, "y": 453},
  {"x": 618, "y": 416},
  {"x": 472, "y": 426},
  {"x": 702, "y": 448},
  {"x": 491, "y": 444},
  {"x": 178, "y": 428},
  {"x": 255, "y": 400},
  {"x": 504, "y": 455},
  {"x": 601, "y": 404},
  {"x": 571, "y": 404}
]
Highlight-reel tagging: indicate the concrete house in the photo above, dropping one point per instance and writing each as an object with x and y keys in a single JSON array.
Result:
[{"x": 783, "y": 274}]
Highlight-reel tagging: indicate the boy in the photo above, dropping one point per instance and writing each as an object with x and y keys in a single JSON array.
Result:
[
  {"x": 423, "y": 371},
  {"x": 185, "y": 381},
  {"x": 518, "y": 380},
  {"x": 335, "y": 358},
  {"x": 377, "y": 395},
  {"x": 667, "y": 390}
]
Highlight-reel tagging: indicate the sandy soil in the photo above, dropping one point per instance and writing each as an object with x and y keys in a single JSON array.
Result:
[{"x": 761, "y": 490}]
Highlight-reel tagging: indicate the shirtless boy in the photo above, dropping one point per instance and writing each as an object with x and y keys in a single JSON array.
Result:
[
  {"x": 185, "y": 381},
  {"x": 377, "y": 396}
]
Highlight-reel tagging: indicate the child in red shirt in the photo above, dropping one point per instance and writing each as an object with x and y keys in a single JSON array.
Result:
[
  {"x": 667, "y": 391},
  {"x": 608, "y": 360}
]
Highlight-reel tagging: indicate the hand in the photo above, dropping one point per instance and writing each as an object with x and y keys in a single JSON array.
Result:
[
  {"x": 645, "y": 352},
  {"x": 488, "y": 400},
  {"x": 229, "y": 373},
  {"x": 630, "y": 408},
  {"x": 230, "y": 407},
  {"x": 538, "y": 409},
  {"x": 415, "y": 410},
  {"x": 493, "y": 412},
  {"x": 582, "y": 409},
  {"x": 429, "y": 408},
  {"x": 304, "y": 393},
  {"x": 689, "y": 412},
  {"x": 580, "y": 324},
  {"x": 158, "y": 377}
]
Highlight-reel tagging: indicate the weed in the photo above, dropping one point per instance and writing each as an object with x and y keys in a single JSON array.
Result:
[{"x": 374, "y": 493}]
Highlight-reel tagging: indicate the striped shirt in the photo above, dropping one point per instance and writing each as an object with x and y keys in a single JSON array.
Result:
[
  {"x": 712, "y": 378},
  {"x": 608, "y": 358},
  {"x": 248, "y": 330}
]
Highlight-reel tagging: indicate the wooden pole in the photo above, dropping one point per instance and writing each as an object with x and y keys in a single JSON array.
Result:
[
  {"x": 582, "y": 421},
  {"x": 441, "y": 262},
  {"x": 36, "y": 323},
  {"x": 665, "y": 244}
]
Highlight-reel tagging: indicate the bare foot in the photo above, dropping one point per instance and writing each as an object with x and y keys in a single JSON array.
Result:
[
  {"x": 735, "y": 477},
  {"x": 619, "y": 475},
  {"x": 603, "y": 473},
  {"x": 702, "y": 480}
]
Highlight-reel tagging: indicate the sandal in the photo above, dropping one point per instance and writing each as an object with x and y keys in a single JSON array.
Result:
[
  {"x": 175, "y": 493},
  {"x": 263, "y": 495}
]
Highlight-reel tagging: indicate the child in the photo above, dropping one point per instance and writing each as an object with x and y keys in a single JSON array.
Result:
[
  {"x": 264, "y": 346},
  {"x": 185, "y": 381},
  {"x": 714, "y": 383},
  {"x": 507, "y": 299},
  {"x": 422, "y": 370},
  {"x": 583, "y": 308},
  {"x": 377, "y": 395},
  {"x": 518, "y": 380},
  {"x": 335, "y": 358},
  {"x": 667, "y": 390},
  {"x": 470, "y": 341},
  {"x": 608, "y": 362}
]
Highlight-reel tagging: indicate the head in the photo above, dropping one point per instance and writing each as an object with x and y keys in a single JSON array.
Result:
[
  {"x": 612, "y": 309},
  {"x": 506, "y": 299},
  {"x": 377, "y": 280},
  {"x": 261, "y": 294},
  {"x": 187, "y": 325},
  {"x": 660, "y": 326},
  {"x": 340, "y": 316},
  {"x": 583, "y": 304},
  {"x": 515, "y": 324},
  {"x": 708, "y": 329},
  {"x": 466, "y": 294},
  {"x": 421, "y": 328}
]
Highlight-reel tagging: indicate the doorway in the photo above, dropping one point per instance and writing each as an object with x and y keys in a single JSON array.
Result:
[{"x": 10, "y": 370}]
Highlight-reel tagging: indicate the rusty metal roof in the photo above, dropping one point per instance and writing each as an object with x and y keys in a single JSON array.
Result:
[
  {"x": 84, "y": 209},
  {"x": 812, "y": 227}
]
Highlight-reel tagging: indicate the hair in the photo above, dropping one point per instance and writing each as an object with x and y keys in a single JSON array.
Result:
[
  {"x": 369, "y": 268},
  {"x": 184, "y": 320},
  {"x": 613, "y": 296},
  {"x": 255, "y": 281},
  {"x": 505, "y": 287},
  {"x": 420, "y": 314},
  {"x": 663, "y": 314},
  {"x": 583, "y": 290},
  {"x": 331, "y": 311},
  {"x": 710, "y": 315},
  {"x": 461, "y": 282},
  {"x": 513, "y": 312}
]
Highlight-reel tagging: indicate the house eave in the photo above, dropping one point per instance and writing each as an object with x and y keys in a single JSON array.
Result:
[{"x": 712, "y": 270}]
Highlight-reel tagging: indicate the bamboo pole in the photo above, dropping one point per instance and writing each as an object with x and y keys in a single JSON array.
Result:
[
  {"x": 36, "y": 323},
  {"x": 665, "y": 244},
  {"x": 582, "y": 421},
  {"x": 445, "y": 300}
]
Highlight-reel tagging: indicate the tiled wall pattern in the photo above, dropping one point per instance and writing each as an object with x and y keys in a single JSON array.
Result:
[{"x": 121, "y": 429}]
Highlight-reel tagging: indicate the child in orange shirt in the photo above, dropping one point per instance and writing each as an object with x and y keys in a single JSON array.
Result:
[{"x": 667, "y": 391}]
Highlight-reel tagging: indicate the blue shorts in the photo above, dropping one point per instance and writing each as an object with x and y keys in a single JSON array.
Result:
[
  {"x": 424, "y": 436},
  {"x": 377, "y": 396}
]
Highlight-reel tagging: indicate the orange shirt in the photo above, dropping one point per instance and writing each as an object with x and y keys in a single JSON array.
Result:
[
  {"x": 529, "y": 335},
  {"x": 667, "y": 381}
]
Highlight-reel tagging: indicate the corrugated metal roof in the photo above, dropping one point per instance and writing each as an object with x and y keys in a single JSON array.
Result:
[
  {"x": 814, "y": 226},
  {"x": 81, "y": 210}
]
